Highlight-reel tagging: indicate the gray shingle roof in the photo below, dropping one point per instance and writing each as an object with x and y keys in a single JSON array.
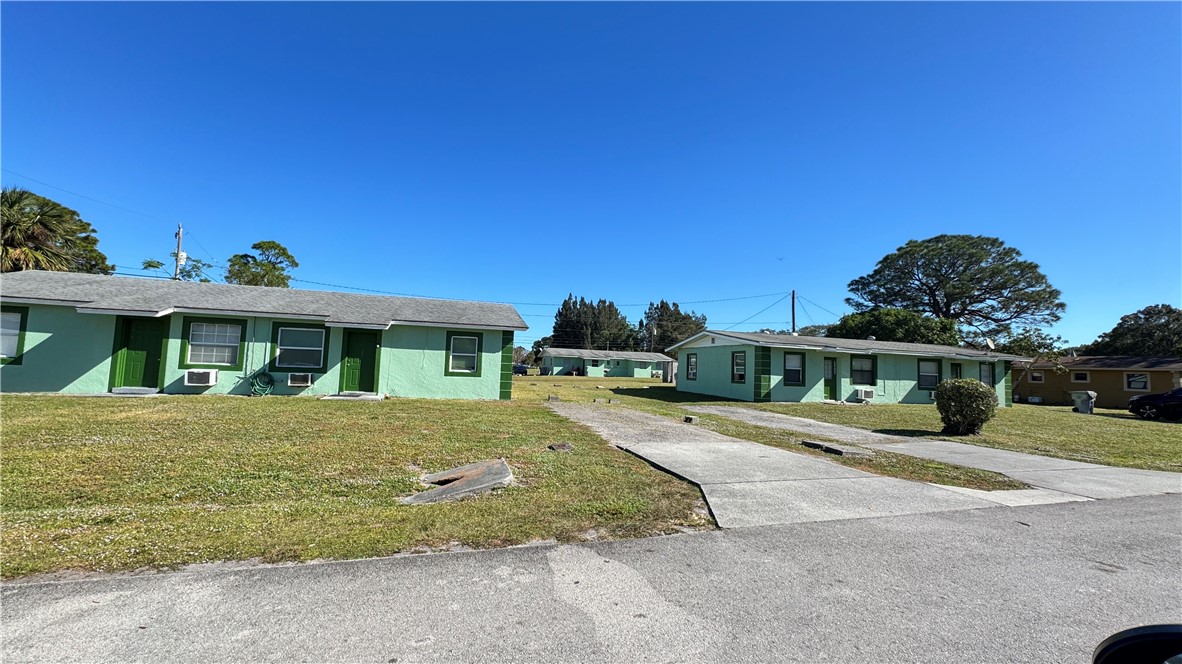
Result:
[
  {"x": 860, "y": 345},
  {"x": 1117, "y": 362},
  {"x": 605, "y": 355},
  {"x": 96, "y": 293}
]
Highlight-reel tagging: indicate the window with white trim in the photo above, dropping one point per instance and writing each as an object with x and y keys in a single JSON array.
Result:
[
  {"x": 1037, "y": 377},
  {"x": 929, "y": 374},
  {"x": 987, "y": 374},
  {"x": 465, "y": 353},
  {"x": 739, "y": 367},
  {"x": 299, "y": 348},
  {"x": 793, "y": 368},
  {"x": 10, "y": 334},
  {"x": 1137, "y": 382},
  {"x": 691, "y": 366},
  {"x": 1080, "y": 377},
  {"x": 214, "y": 343}
]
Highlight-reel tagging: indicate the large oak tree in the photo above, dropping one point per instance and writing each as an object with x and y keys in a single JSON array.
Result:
[
  {"x": 975, "y": 280},
  {"x": 1153, "y": 331},
  {"x": 896, "y": 325}
]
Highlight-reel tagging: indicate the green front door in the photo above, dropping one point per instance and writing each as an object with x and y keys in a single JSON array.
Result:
[
  {"x": 831, "y": 378},
  {"x": 360, "y": 362},
  {"x": 141, "y": 351}
]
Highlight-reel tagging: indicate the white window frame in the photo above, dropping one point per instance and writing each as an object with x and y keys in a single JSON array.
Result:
[
  {"x": 921, "y": 374},
  {"x": 1038, "y": 377},
  {"x": 15, "y": 335},
  {"x": 1087, "y": 377},
  {"x": 451, "y": 357},
  {"x": 1148, "y": 381},
  {"x": 236, "y": 345},
  {"x": 738, "y": 358},
  {"x": 691, "y": 366},
  {"x": 992, "y": 374},
  {"x": 800, "y": 381},
  {"x": 279, "y": 349}
]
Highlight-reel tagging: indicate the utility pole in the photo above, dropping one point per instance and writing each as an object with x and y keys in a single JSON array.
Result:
[
  {"x": 793, "y": 311},
  {"x": 180, "y": 255}
]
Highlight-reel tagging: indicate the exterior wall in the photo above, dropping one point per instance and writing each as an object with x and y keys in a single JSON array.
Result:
[
  {"x": 560, "y": 366},
  {"x": 1108, "y": 384},
  {"x": 714, "y": 372},
  {"x": 68, "y": 352},
  {"x": 257, "y": 353},
  {"x": 414, "y": 359},
  {"x": 896, "y": 379},
  {"x": 64, "y": 351}
]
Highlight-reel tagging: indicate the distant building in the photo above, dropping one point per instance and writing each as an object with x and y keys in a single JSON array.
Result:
[
  {"x": 775, "y": 367},
  {"x": 603, "y": 363},
  {"x": 1114, "y": 378}
]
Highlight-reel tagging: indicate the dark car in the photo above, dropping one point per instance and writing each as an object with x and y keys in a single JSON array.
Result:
[
  {"x": 520, "y": 370},
  {"x": 1152, "y": 406}
]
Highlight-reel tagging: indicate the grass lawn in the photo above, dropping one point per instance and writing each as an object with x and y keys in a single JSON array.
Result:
[
  {"x": 1110, "y": 437},
  {"x": 116, "y": 484},
  {"x": 661, "y": 399}
]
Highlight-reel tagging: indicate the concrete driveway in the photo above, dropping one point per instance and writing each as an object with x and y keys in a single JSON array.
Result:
[
  {"x": 750, "y": 484},
  {"x": 1087, "y": 480}
]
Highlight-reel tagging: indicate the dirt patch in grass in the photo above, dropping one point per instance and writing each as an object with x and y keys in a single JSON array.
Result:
[{"x": 117, "y": 484}]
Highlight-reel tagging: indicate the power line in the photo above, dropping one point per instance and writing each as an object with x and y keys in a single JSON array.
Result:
[
  {"x": 806, "y": 312},
  {"x": 818, "y": 306},
  {"x": 89, "y": 198},
  {"x": 759, "y": 312}
]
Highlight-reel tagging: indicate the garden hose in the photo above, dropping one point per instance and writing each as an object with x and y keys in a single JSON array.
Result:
[{"x": 261, "y": 384}]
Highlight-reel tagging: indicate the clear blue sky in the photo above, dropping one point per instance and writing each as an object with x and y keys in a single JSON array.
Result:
[{"x": 518, "y": 152}]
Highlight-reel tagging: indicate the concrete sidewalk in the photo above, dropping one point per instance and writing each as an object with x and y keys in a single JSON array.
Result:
[
  {"x": 749, "y": 484},
  {"x": 1088, "y": 480}
]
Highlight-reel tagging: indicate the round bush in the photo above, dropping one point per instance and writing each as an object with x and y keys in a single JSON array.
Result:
[{"x": 965, "y": 405}]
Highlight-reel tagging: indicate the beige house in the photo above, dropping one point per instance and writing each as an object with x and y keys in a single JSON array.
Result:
[{"x": 1114, "y": 378}]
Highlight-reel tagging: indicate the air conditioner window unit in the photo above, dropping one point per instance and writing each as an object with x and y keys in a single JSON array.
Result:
[
  {"x": 299, "y": 380},
  {"x": 866, "y": 394},
  {"x": 201, "y": 377}
]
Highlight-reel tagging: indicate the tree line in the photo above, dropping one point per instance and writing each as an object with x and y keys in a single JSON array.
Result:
[{"x": 600, "y": 325}]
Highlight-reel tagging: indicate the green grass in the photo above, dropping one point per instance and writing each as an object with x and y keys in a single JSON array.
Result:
[
  {"x": 116, "y": 484},
  {"x": 659, "y": 399},
  {"x": 1110, "y": 437}
]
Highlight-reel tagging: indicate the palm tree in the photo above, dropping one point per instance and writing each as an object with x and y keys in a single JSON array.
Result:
[{"x": 37, "y": 233}]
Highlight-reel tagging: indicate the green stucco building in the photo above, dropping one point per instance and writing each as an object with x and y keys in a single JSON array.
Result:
[
  {"x": 84, "y": 333},
  {"x": 603, "y": 363},
  {"x": 772, "y": 367}
]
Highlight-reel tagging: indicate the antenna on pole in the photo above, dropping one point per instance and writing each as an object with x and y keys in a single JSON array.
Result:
[
  {"x": 180, "y": 255},
  {"x": 793, "y": 310}
]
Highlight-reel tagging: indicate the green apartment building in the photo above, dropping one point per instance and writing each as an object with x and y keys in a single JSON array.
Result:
[
  {"x": 85, "y": 333},
  {"x": 772, "y": 367},
  {"x": 603, "y": 363}
]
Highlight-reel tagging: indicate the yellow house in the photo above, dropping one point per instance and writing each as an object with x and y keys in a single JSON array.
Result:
[{"x": 1114, "y": 378}]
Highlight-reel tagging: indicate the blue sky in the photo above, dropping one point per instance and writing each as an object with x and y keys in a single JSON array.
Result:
[{"x": 692, "y": 152}]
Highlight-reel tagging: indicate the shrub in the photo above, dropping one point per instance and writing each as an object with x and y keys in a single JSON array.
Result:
[{"x": 965, "y": 405}]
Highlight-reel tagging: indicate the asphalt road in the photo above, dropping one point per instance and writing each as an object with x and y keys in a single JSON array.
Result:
[{"x": 1029, "y": 584}]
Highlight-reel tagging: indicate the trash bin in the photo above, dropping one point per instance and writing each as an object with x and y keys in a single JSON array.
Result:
[{"x": 1085, "y": 401}]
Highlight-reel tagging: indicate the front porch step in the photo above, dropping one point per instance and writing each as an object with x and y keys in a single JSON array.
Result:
[
  {"x": 135, "y": 391},
  {"x": 354, "y": 396}
]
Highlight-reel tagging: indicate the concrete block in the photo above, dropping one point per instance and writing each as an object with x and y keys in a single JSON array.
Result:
[
  {"x": 846, "y": 450},
  {"x": 599, "y": 400},
  {"x": 464, "y": 481},
  {"x": 691, "y": 419},
  {"x": 559, "y": 447},
  {"x": 813, "y": 444},
  {"x": 554, "y": 397}
]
